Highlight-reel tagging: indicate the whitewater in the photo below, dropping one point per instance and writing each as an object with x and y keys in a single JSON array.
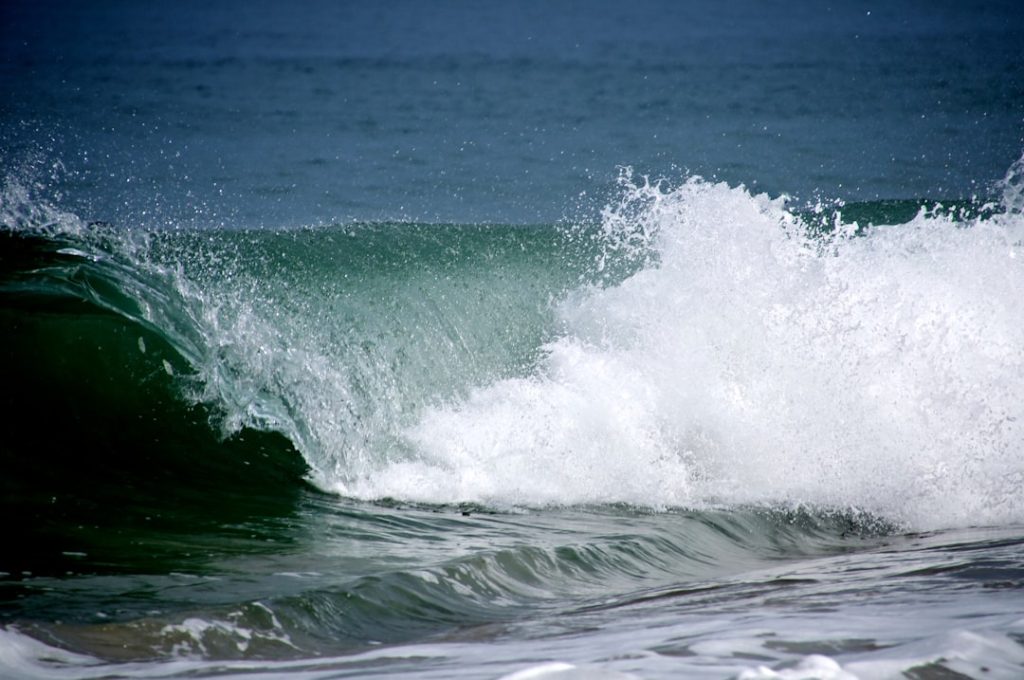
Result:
[{"x": 753, "y": 362}]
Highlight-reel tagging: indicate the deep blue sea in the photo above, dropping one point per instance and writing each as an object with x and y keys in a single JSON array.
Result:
[{"x": 522, "y": 340}]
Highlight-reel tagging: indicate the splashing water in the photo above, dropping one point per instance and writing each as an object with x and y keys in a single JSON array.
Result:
[
  {"x": 748, "y": 359},
  {"x": 1013, "y": 188},
  {"x": 751, "y": 363}
]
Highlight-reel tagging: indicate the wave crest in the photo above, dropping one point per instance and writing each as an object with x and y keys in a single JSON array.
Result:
[{"x": 757, "y": 360}]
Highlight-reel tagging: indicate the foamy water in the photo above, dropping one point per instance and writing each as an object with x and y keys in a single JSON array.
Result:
[{"x": 752, "y": 363}]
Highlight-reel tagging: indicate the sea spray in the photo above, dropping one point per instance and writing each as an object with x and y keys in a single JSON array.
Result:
[{"x": 751, "y": 362}]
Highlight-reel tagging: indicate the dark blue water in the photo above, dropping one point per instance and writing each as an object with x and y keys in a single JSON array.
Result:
[{"x": 271, "y": 114}]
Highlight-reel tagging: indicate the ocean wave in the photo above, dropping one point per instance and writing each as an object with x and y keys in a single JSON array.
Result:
[{"x": 698, "y": 346}]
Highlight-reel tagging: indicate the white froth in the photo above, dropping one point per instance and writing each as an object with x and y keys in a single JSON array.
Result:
[
  {"x": 813, "y": 667},
  {"x": 751, "y": 363}
]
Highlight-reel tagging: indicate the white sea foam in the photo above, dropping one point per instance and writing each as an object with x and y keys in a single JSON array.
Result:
[
  {"x": 557, "y": 670},
  {"x": 813, "y": 667},
  {"x": 969, "y": 654},
  {"x": 22, "y": 656},
  {"x": 240, "y": 630},
  {"x": 751, "y": 363}
]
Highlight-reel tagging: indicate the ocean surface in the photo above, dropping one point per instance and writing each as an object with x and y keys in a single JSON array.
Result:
[{"x": 531, "y": 340}]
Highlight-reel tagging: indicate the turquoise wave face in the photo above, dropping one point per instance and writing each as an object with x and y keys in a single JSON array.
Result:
[
  {"x": 392, "y": 314},
  {"x": 101, "y": 450}
]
